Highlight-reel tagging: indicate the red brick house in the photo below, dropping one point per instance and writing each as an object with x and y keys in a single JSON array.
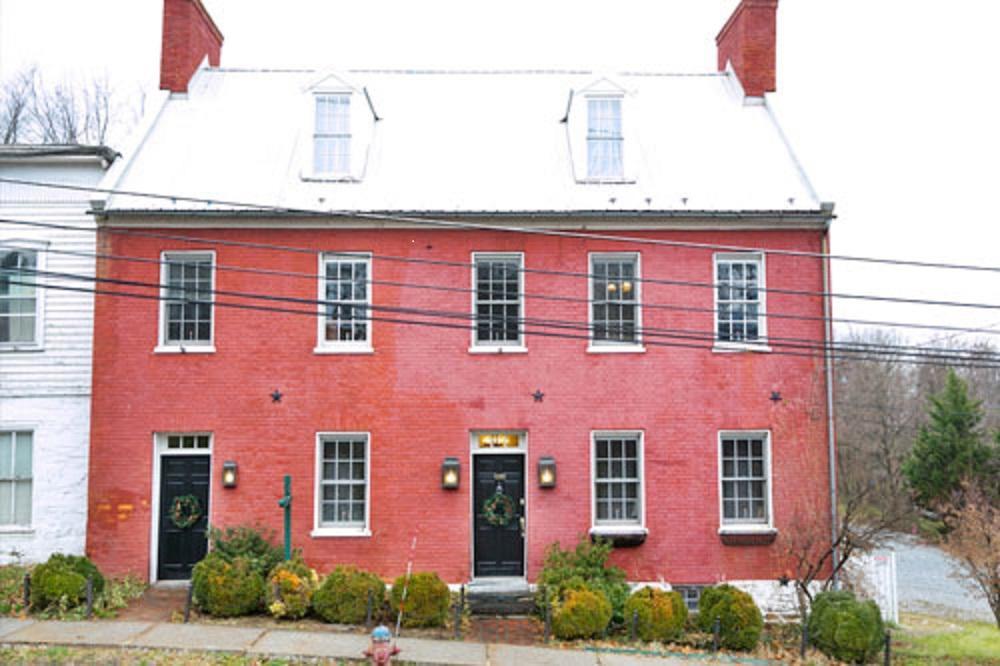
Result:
[{"x": 489, "y": 310}]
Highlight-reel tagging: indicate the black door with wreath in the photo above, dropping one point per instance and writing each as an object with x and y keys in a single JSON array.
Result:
[
  {"x": 498, "y": 501},
  {"x": 183, "y": 515}
]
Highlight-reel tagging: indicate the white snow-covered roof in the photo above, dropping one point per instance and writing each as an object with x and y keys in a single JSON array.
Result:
[{"x": 464, "y": 142}]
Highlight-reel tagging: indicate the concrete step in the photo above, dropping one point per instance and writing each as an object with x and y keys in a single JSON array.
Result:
[{"x": 500, "y": 597}]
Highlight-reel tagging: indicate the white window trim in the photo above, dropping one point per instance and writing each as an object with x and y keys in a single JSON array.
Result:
[
  {"x": 620, "y": 529},
  {"x": 587, "y": 179},
  {"x": 611, "y": 346},
  {"x": 12, "y": 529},
  {"x": 160, "y": 450},
  {"x": 310, "y": 174},
  {"x": 40, "y": 248},
  {"x": 736, "y": 527},
  {"x": 726, "y": 346},
  {"x": 164, "y": 347},
  {"x": 322, "y": 531},
  {"x": 519, "y": 347},
  {"x": 324, "y": 346}
]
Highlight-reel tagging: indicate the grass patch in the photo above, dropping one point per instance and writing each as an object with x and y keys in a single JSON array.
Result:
[
  {"x": 929, "y": 640},
  {"x": 72, "y": 656}
]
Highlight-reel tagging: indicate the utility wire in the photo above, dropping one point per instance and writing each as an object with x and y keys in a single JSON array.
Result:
[{"x": 494, "y": 227}]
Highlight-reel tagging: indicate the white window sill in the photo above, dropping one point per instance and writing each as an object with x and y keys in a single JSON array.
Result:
[
  {"x": 328, "y": 532},
  {"x": 606, "y": 181},
  {"x": 616, "y": 349},
  {"x": 736, "y": 347},
  {"x": 14, "y": 530},
  {"x": 26, "y": 347},
  {"x": 498, "y": 349},
  {"x": 329, "y": 178},
  {"x": 617, "y": 530},
  {"x": 748, "y": 528},
  {"x": 184, "y": 349},
  {"x": 344, "y": 349}
]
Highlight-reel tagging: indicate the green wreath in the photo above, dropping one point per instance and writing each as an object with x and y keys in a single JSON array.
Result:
[
  {"x": 498, "y": 510},
  {"x": 185, "y": 511}
]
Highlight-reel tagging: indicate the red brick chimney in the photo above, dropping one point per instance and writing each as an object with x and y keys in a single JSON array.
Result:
[
  {"x": 748, "y": 42},
  {"x": 189, "y": 34}
]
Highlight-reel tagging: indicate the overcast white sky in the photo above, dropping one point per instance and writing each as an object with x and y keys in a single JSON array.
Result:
[{"x": 891, "y": 104}]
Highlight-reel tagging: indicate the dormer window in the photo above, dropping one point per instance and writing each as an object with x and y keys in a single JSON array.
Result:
[
  {"x": 332, "y": 135},
  {"x": 604, "y": 138}
]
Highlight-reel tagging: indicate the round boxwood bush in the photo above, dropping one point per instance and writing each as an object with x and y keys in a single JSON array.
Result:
[
  {"x": 290, "y": 588},
  {"x": 227, "y": 588},
  {"x": 846, "y": 629},
  {"x": 427, "y": 600},
  {"x": 343, "y": 596},
  {"x": 582, "y": 613},
  {"x": 83, "y": 566},
  {"x": 56, "y": 583},
  {"x": 660, "y": 616},
  {"x": 740, "y": 621}
]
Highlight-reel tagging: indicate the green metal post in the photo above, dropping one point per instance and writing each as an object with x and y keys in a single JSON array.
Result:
[{"x": 286, "y": 503}]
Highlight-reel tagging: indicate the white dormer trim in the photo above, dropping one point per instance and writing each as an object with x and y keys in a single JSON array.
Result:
[
  {"x": 362, "y": 123},
  {"x": 576, "y": 119}
]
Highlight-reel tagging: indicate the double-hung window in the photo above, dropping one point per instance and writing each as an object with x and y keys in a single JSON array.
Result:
[
  {"x": 745, "y": 479},
  {"x": 188, "y": 288},
  {"x": 617, "y": 459},
  {"x": 345, "y": 292},
  {"x": 614, "y": 295},
  {"x": 739, "y": 298},
  {"x": 343, "y": 484},
  {"x": 604, "y": 138},
  {"x": 15, "y": 478},
  {"x": 19, "y": 298},
  {"x": 332, "y": 135},
  {"x": 499, "y": 301}
]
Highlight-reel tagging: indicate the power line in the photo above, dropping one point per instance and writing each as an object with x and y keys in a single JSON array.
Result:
[{"x": 246, "y": 207}]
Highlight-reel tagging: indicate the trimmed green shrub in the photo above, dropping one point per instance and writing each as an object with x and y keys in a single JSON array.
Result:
[
  {"x": 253, "y": 544},
  {"x": 343, "y": 596},
  {"x": 225, "y": 588},
  {"x": 427, "y": 600},
  {"x": 660, "y": 615},
  {"x": 586, "y": 566},
  {"x": 582, "y": 613},
  {"x": 83, "y": 566},
  {"x": 290, "y": 588},
  {"x": 56, "y": 583},
  {"x": 845, "y": 628},
  {"x": 740, "y": 621}
]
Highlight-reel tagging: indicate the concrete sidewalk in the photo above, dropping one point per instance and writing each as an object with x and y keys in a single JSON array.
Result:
[{"x": 283, "y": 643}]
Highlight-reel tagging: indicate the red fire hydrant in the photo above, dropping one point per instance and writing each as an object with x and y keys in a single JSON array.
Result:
[{"x": 381, "y": 650}]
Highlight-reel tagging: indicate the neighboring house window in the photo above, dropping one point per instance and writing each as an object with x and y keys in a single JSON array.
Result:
[
  {"x": 615, "y": 299},
  {"x": 745, "y": 477},
  {"x": 691, "y": 594},
  {"x": 343, "y": 481},
  {"x": 604, "y": 138},
  {"x": 15, "y": 478},
  {"x": 332, "y": 135},
  {"x": 617, "y": 479},
  {"x": 187, "y": 307},
  {"x": 346, "y": 298},
  {"x": 739, "y": 279},
  {"x": 19, "y": 303},
  {"x": 498, "y": 299}
]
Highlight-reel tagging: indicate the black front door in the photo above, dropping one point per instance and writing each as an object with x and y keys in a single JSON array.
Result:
[
  {"x": 499, "y": 533},
  {"x": 181, "y": 545}
]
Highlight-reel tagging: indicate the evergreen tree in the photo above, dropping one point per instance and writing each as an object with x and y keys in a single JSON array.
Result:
[{"x": 949, "y": 448}]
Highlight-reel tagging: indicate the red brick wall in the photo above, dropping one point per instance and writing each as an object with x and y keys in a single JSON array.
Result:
[
  {"x": 189, "y": 34},
  {"x": 421, "y": 393},
  {"x": 749, "y": 41}
]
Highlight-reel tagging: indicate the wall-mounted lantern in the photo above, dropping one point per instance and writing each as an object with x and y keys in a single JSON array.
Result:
[
  {"x": 229, "y": 474},
  {"x": 546, "y": 472},
  {"x": 450, "y": 473}
]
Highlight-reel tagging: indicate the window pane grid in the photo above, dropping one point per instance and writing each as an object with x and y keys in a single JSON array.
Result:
[
  {"x": 343, "y": 485},
  {"x": 498, "y": 300},
  {"x": 615, "y": 302},
  {"x": 744, "y": 480},
  {"x": 346, "y": 295},
  {"x": 616, "y": 480},
  {"x": 18, "y": 300},
  {"x": 332, "y": 136},
  {"x": 604, "y": 138},
  {"x": 15, "y": 478},
  {"x": 188, "y": 304},
  {"x": 738, "y": 299}
]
